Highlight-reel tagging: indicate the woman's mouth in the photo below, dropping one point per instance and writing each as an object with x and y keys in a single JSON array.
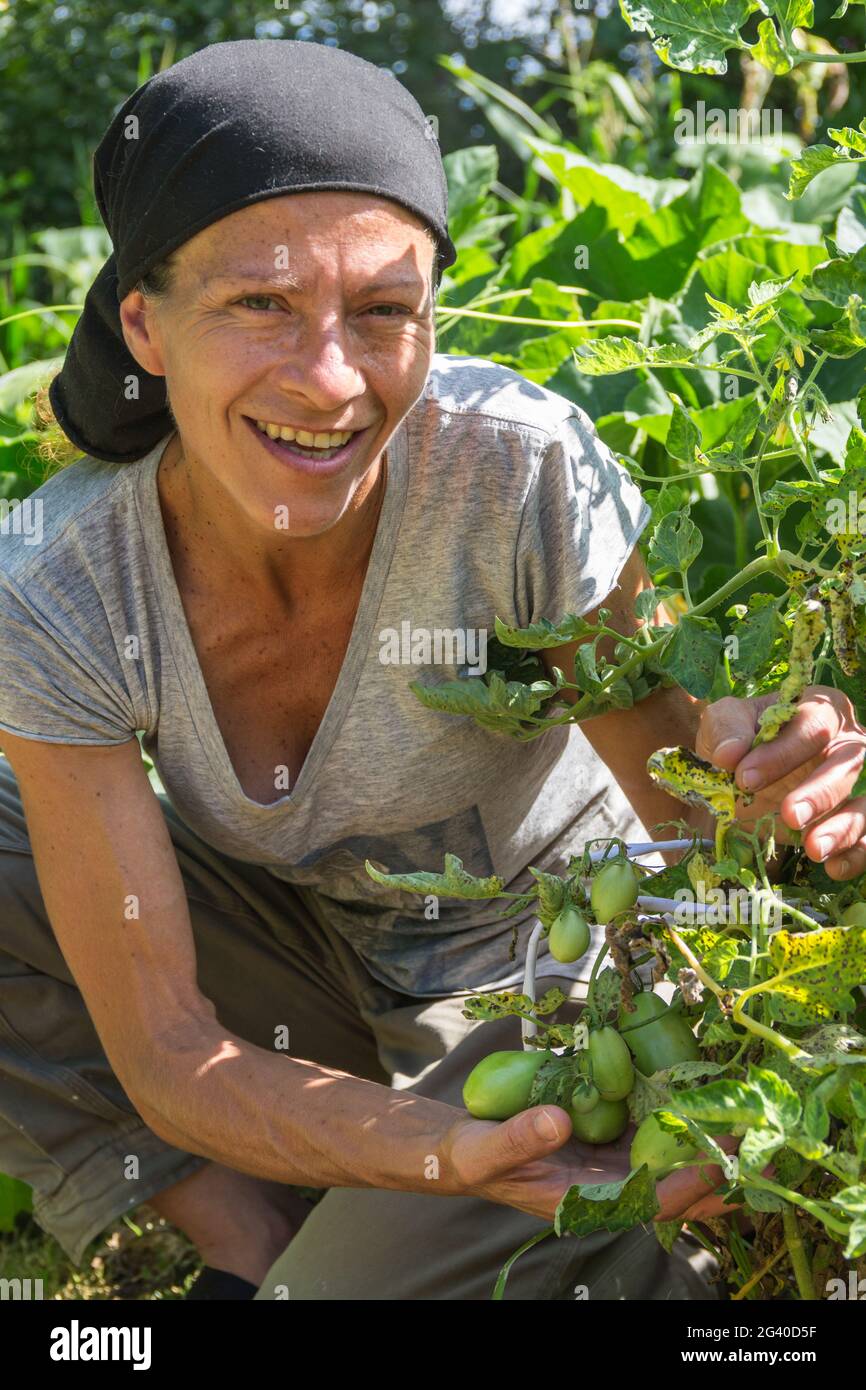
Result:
[{"x": 324, "y": 452}]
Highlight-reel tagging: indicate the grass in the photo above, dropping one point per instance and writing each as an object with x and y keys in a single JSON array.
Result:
[{"x": 131, "y": 1261}]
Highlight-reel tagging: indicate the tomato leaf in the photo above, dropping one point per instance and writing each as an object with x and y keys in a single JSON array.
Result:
[
  {"x": 676, "y": 543},
  {"x": 612, "y": 1206},
  {"x": 815, "y": 972},
  {"x": 455, "y": 882},
  {"x": 693, "y": 653}
]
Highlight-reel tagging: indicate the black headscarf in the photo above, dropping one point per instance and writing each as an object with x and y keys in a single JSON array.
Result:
[{"x": 230, "y": 125}]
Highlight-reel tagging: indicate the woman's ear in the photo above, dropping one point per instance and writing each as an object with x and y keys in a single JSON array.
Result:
[{"x": 137, "y": 324}]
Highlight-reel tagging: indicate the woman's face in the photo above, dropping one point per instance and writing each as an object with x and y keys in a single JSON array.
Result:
[{"x": 308, "y": 312}]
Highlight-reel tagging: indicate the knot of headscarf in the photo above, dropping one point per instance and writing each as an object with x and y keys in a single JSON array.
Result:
[{"x": 228, "y": 126}]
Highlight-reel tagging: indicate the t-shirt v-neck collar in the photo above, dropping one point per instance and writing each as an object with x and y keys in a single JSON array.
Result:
[{"x": 182, "y": 647}]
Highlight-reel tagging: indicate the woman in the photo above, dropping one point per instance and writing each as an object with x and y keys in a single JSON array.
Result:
[{"x": 205, "y": 1000}]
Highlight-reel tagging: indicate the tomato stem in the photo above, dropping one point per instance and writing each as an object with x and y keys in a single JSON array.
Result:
[
  {"x": 504, "y": 1272},
  {"x": 797, "y": 1254}
]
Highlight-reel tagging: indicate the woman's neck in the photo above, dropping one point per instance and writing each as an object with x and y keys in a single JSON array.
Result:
[{"x": 214, "y": 547}]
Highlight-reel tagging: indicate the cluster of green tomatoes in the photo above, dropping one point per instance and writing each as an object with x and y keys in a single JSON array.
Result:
[{"x": 648, "y": 1037}]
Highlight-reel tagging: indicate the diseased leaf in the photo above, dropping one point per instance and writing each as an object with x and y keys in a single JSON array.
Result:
[
  {"x": 551, "y": 895},
  {"x": 730, "y": 1103},
  {"x": 815, "y": 972},
  {"x": 491, "y": 1006},
  {"x": 613, "y": 1206},
  {"x": 455, "y": 882},
  {"x": 757, "y": 1148},
  {"x": 855, "y": 1246},
  {"x": 543, "y": 634},
  {"x": 690, "y": 778},
  {"x": 757, "y": 636},
  {"x": 692, "y": 655},
  {"x": 759, "y": 1199}
]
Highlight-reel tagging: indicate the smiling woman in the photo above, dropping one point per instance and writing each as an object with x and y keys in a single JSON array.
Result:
[{"x": 277, "y": 469}]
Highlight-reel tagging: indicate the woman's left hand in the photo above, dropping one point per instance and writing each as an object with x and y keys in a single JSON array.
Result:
[{"x": 804, "y": 775}]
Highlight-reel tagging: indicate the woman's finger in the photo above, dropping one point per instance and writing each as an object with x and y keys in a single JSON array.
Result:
[
  {"x": 840, "y": 831},
  {"x": 817, "y": 722},
  {"x": 827, "y": 786}
]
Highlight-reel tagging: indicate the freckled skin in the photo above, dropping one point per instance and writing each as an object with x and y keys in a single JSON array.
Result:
[{"x": 323, "y": 352}]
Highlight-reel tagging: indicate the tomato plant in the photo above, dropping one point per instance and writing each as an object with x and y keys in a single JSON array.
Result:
[{"x": 764, "y": 1040}]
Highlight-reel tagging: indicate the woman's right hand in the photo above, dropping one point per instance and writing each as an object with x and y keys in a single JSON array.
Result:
[{"x": 529, "y": 1162}]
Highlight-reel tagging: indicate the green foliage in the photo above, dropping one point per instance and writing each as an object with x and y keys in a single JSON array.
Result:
[{"x": 699, "y": 35}]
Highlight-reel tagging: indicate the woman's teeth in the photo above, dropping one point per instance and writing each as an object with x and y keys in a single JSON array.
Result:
[{"x": 320, "y": 446}]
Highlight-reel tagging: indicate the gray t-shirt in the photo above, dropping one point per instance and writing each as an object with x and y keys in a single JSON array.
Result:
[{"x": 500, "y": 500}]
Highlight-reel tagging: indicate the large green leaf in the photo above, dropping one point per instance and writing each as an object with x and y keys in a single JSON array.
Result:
[
  {"x": 626, "y": 197},
  {"x": 694, "y": 36}
]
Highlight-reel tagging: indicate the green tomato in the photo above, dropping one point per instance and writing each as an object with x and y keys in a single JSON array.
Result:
[
  {"x": 614, "y": 889},
  {"x": 656, "y": 1148},
  {"x": 604, "y": 1123},
  {"x": 569, "y": 936},
  {"x": 854, "y": 915},
  {"x": 584, "y": 1097},
  {"x": 499, "y": 1085},
  {"x": 655, "y": 1037},
  {"x": 742, "y": 852},
  {"x": 610, "y": 1064}
]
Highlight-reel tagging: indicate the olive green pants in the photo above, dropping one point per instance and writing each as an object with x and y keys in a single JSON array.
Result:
[{"x": 267, "y": 958}]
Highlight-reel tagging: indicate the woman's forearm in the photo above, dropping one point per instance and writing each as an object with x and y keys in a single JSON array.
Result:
[{"x": 293, "y": 1121}]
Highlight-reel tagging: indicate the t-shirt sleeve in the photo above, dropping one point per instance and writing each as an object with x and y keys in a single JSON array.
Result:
[
  {"x": 581, "y": 520},
  {"x": 58, "y": 683}
]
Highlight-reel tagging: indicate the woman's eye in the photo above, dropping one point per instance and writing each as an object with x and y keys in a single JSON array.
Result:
[
  {"x": 262, "y": 298},
  {"x": 396, "y": 309}
]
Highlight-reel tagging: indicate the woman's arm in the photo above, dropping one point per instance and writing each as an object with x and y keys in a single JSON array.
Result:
[{"x": 117, "y": 904}]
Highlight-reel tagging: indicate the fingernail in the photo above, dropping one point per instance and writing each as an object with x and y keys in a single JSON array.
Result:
[
  {"x": 825, "y": 846},
  {"x": 544, "y": 1127},
  {"x": 752, "y": 779},
  {"x": 803, "y": 811}
]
